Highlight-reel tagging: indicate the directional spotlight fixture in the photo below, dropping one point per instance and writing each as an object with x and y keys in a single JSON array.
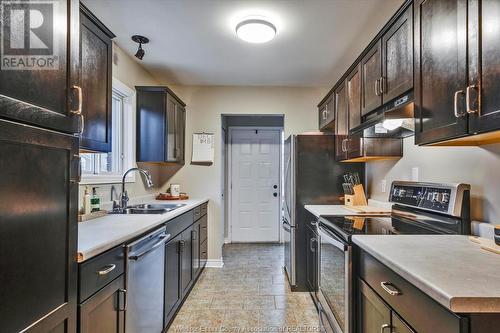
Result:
[{"x": 141, "y": 40}]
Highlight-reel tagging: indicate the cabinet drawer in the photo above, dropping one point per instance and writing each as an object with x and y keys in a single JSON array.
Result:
[
  {"x": 176, "y": 225},
  {"x": 203, "y": 250},
  {"x": 203, "y": 229},
  {"x": 203, "y": 209},
  {"x": 196, "y": 213},
  {"x": 411, "y": 303},
  {"x": 97, "y": 272}
]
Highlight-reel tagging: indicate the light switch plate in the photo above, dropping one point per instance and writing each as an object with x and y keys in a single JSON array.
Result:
[{"x": 383, "y": 186}]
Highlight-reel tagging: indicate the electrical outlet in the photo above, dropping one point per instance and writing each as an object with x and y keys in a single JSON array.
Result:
[
  {"x": 383, "y": 186},
  {"x": 414, "y": 174}
]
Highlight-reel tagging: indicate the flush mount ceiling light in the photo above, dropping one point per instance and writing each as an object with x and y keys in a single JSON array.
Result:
[
  {"x": 141, "y": 40},
  {"x": 255, "y": 30}
]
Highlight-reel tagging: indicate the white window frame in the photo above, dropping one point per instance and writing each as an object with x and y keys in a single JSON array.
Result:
[{"x": 128, "y": 140}]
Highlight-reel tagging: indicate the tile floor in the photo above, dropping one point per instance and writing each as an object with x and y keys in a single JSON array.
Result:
[{"x": 249, "y": 294}]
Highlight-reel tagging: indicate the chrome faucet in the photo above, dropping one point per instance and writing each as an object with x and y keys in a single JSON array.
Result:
[{"x": 124, "y": 196}]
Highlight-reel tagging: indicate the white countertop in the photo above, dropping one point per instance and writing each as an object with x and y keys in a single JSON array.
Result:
[
  {"x": 449, "y": 268},
  {"x": 340, "y": 210},
  {"x": 101, "y": 234}
]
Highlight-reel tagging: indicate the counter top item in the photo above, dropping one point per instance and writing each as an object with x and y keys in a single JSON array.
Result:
[
  {"x": 451, "y": 269},
  {"x": 337, "y": 210},
  {"x": 103, "y": 233}
]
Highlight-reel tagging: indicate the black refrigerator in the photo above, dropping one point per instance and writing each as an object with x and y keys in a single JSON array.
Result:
[
  {"x": 312, "y": 177},
  {"x": 39, "y": 163}
]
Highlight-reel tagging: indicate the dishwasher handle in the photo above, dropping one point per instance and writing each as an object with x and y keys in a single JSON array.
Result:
[{"x": 163, "y": 238}]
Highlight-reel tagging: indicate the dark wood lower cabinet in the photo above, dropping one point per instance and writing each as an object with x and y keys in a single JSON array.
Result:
[
  {"x": 104, "y": 311},
  {"x": 172, "y": 277},
  {"x": 312, "y": 239},
  {"x": 376, "y": 316},
  {"x": 186, "y": 251}
]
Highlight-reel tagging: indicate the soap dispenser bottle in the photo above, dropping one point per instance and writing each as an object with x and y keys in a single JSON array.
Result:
[
  {"x": 86, "y": 201},
  {"x": 95, "y": 201}
]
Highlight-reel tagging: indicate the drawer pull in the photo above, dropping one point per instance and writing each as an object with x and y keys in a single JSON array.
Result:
[
  {"x": 383, "y": 327},
  {"x": 122, "y": 300},
  {"x": 108, "y": 269},
  {"x": 389, "y": 288}
]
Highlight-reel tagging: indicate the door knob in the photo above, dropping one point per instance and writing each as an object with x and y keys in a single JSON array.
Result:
[{"x": 275, "y": 194}]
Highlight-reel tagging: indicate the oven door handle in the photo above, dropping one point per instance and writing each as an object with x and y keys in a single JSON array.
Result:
[{"x": 331, "y": 239}]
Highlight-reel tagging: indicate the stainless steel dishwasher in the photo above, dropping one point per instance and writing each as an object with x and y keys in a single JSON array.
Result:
[{"x": 145, "y": 283}]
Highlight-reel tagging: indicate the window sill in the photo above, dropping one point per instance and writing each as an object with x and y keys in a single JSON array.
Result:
[{"x": 105, "y": 179}]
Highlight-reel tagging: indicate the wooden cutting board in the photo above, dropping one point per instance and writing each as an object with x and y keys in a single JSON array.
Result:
[
  {"x": 486, "y": 244},
  {"x": 369, "y": 210}
]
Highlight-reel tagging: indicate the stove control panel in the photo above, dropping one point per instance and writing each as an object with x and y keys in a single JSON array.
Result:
[{"x": 428, "y": 197}]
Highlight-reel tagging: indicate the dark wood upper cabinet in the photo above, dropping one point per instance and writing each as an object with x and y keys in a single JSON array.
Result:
[
  {"x": 354, "y": 97},
  {"x": 484, "y": 66},
  {"x": 326, "y": 114},
  {"x": 161, "y": 122},
  {"x": 43, "y": 96},
  {"x": 397, "y": 57},
  {"x": 371, "y": 73},
  {"x": 341, "y": 123},
  {"x": 96, "y": 54},
  {"x": 440, "y": 69}
]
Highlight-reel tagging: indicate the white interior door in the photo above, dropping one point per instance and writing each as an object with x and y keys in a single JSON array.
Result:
[{"x": 255, "y": 178}]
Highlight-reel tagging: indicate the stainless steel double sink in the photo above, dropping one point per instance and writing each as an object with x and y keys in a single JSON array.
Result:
[{"x": 147, "y": 209}]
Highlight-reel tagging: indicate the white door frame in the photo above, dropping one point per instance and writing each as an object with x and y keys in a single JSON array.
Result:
[{"x": 230, "y": 176}]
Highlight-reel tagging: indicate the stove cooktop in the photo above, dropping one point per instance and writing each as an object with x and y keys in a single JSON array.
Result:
[{"x": 347, "y": 226}]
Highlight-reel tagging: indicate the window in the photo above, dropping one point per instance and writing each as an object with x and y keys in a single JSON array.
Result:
[{"x": 109, "y": 167}]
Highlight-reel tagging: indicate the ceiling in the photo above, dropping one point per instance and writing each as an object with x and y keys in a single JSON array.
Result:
[{"x": 193, "y": 42}]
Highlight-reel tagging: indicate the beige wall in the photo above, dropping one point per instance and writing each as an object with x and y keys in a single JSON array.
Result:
[
  {"x": 205, "y": 105},
  {"x": 477, "y": 166},
  {"x": 129, "y": 72}
]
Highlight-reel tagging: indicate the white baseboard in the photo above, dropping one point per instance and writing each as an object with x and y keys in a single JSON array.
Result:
[
  {"x": 227, "y": 241},
  {"x": 215, "y": 263}
]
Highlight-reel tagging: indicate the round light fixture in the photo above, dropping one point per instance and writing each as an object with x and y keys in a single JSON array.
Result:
[
  {"x": 255, "y": 30},
  {"x": 392, "y": 124}
]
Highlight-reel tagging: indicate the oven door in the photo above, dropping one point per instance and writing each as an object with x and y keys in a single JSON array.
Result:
[{"x": 335, "y": 280}]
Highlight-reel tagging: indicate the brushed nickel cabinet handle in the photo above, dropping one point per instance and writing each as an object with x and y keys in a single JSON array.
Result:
[
  {"x": 455, "y": 104},
  {"x": 107, "y": 270},
  {"x": 377, "y": 87},
  {"x": 467, "y": 98},
  {"x": 383, "y": 327},
  {"x": 78, "y": 111},
  {"x": 382, "y": 85},
  {"x": 121, "y": 307},
  {"x": 389, "y": 288}
]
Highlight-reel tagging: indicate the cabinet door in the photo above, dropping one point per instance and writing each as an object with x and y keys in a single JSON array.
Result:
[
  {"x": 374, "y": 315},
  {"x": 40, "y": 92},
  {"x": 180, "y": 120},
  {"x": 341, "y": 124},
  {"x": 151, "y": 120},
  {"x": 104, "y": 312},
  {"x": 399, "y": 326},
  {"x": 327, "y": 114},
  {"x": 312, "y": 259},
  {"x": 440, "y": 69},
  {"x": 96, "y": 81},
  {"x": 484, "y": 65},
  {"x": 172, "y": 277},
  {"x": 371, "y": 71},
  {"x": 186, "y": 260},
  {"x": 38, "y": 234},
  {"x": 195, "y": 246},
  {"x": 171, "y": 129},
  {"x": 397, "y": 57},
  {"x": 354, "y": 97}
]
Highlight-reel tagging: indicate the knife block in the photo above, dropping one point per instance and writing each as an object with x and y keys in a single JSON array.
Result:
[{"x": 356, "y": 199}]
